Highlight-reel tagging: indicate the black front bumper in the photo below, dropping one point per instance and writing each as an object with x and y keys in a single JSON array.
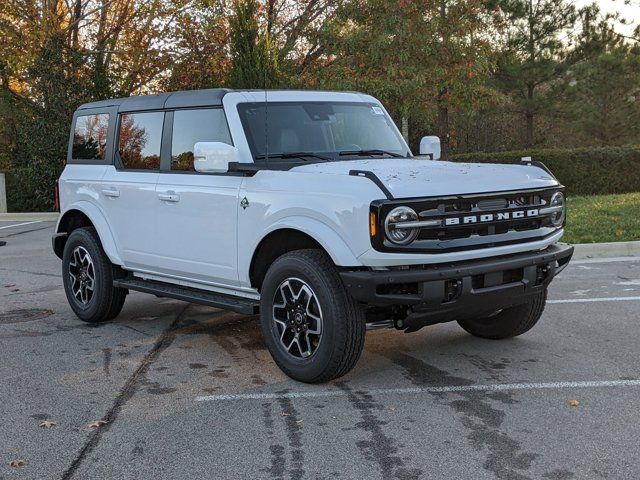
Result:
[{"x": 437, "y": 293}]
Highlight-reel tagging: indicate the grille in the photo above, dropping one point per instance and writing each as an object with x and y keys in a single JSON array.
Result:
[{"x": 471, "y": 222}]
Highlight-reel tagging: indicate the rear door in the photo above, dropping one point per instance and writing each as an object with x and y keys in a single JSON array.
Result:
[
  {"x": 128, "y": 192},
  {"x": 196, "y": 212}
]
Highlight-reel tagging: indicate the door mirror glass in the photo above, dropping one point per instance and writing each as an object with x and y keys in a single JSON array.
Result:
[
  {"x": 430, "y": 147},
  {"x": 213, "y": 157}
]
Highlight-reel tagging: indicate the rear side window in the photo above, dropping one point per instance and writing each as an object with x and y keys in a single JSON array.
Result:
[
  {"x": 139, "y": 140},
  {"x": 90, "y": 137},
  {"x": 192, "y": 126}
]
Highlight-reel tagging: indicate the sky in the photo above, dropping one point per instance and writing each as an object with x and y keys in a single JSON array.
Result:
[{"x": 629, "y": 10}]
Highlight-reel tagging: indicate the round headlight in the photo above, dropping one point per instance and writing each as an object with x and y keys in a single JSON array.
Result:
[
  {"x": 396, "y": 232},
  {"x": 557, "y": 200}
]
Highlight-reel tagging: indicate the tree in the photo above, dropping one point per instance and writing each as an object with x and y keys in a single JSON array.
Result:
[
  {"x": 57, "y": 54},
  {"x": 199, "y": 56},
  {"x": 601, "y": 92},
  {"x": 428, "y": 55},
  {"x": 254, "y": 61},
  {"x": 536, "y": 52}
]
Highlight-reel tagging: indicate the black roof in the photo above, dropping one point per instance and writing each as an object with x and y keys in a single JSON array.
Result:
[{"x": 184, "y": 98}]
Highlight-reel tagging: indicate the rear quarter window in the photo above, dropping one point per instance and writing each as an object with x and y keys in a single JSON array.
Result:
[{"x": 90, "y": 137}]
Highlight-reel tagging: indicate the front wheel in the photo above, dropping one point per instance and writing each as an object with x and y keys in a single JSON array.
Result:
[
  {"x": 88, "y": 275},
  {"x": 312, "y": 327},
  {"x": 509, "y": 322}
]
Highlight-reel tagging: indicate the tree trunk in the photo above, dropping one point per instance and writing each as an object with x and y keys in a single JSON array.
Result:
[
  {"x": 405, "y": 129},
  {"x": 77, "y": 13},
  {"x": 529, "y": 117},
  {"x": 443, "y": 125}
]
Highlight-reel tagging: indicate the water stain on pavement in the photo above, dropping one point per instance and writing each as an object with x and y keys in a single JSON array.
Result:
[
  {"x": 380, "y": 448},
  {"x": 276, "y": 469},
  {"x": 504, "y": 456},
  {"x": 106, "y": 362},
  {"x": 197, "y": 366},
  {"x": 294, "y": 436}
]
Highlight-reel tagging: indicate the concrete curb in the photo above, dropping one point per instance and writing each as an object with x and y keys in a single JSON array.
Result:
[
  {"x": 29, "y": 217},
  {"x": 606, "y": 250}
]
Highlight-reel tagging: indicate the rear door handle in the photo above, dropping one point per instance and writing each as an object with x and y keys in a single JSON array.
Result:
[
  {"x": 169, "y": 196},
  {"x": 111, "y": 192}
]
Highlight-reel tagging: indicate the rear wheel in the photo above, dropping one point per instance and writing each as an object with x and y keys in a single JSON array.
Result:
[
  {"x": 88, "y": 275},
  {"x": 509, "y": 322},
  {"x": 314, "y": 330}
]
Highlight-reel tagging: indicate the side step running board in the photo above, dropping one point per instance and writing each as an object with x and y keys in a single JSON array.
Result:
[{"x": 246, "y": 306}]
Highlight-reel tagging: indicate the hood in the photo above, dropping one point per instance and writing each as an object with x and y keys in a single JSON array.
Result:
[{"x": 408, "y": 178}]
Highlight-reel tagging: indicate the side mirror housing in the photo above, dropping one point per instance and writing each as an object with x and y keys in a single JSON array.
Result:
[
  {"x": 430, "y": 146},
  {"x": 213, "y": 157}
]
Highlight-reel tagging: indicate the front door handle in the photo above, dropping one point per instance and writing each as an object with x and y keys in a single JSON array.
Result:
[
  {"x": 111, "y": 192},
  {"x": 169, "y": 196}
]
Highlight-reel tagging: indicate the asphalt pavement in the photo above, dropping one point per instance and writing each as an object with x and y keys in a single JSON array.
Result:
[{"x": 190, "y": 392}]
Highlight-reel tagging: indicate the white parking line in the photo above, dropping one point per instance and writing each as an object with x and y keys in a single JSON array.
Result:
[
  {"x": 21, "y": 224},
  {"x": 579, "y": 261},
  {"x": 422, "y": 390},
  {"x": 601, "y": 299}
]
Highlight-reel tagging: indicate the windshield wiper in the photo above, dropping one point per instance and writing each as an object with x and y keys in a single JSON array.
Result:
[
  {"x": 367, "y": 153},
  {"x": 301, "y": 155}
]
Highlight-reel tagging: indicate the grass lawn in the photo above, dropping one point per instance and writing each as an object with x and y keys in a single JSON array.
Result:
[{"x": 603, "y": 218}]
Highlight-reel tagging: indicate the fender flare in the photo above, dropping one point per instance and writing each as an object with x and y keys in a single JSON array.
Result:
[
  {"x": 99, "y": 221},
  {"x": 322, "y": 233}
]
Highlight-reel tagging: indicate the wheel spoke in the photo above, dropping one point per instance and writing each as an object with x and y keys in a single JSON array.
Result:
[
  {"x": 298, "y": 318},
  {"x": 308, "y": 352},
  {"x": 283, "y": 288}
]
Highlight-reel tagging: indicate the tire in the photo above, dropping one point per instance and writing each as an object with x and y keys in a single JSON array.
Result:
[
  {"x": 316, "y": 358},
  {"x": 105, "y": 301},
  {"x": 510, "y": 322}
]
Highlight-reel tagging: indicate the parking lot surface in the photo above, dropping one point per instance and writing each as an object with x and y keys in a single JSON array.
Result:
[{"x": 190, "y": 392}]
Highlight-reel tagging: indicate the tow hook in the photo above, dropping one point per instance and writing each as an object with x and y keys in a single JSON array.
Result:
[
  {"x": 542, "y": 274},
  {"x": 452, "y": 290}
]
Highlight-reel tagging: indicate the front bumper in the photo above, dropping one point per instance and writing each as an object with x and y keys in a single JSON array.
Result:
[{"x": 437, "y": 293}]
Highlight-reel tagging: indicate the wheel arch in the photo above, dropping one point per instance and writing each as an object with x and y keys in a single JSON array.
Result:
[
  {"x": 85, "y": 214},
  {"x": 287, "y": 238}
]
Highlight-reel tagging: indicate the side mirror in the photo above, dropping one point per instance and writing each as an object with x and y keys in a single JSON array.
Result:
[
  {"x": 213, "y": 157},
  {"x": 430, "y": 146}
]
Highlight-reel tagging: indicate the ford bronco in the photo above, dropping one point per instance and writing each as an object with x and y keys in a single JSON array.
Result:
[{"x": 307, "y": 208}]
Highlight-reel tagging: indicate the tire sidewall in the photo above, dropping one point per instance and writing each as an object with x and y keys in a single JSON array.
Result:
[
  {"x": 510, "y": 322},
  {"x": 305, "y": 369},
  {"x": 83, "y": 238}
]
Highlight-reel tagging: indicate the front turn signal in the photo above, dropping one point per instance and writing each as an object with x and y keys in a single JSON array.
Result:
[{"x": 372, "y": 224}]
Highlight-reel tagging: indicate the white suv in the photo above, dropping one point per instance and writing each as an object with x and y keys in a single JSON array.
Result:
[{"x": 307, "y": 207}]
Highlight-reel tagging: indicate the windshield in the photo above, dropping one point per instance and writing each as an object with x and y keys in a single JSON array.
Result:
[{"x": 320, "y": 131}]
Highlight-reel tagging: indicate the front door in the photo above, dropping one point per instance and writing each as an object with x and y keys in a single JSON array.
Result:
[{"x": 196, "y": 212}]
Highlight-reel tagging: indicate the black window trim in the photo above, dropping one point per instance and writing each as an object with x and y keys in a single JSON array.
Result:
[
  {"x": 165, "y": 163},
  {"x": 109, "y": 148},
  {"x": 117, "y": 161}
]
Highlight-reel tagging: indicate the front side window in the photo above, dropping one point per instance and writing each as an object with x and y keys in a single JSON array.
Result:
[
  {"x": 139, "y": 140},
  {"x": 192, "y": 126},
  {"x": 90, "y": 137},
  {"x": 334, "y": 130}
]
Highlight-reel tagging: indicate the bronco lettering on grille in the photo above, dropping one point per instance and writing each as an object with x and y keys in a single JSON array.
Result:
[{"x": 491, "y": 217}]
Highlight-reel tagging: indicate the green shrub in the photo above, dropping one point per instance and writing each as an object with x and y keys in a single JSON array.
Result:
[
  {"x": 30, "y": 190},
  {"x": 584, "y": 171}
]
